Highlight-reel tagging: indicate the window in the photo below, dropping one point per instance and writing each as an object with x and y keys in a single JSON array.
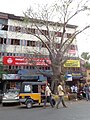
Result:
[
  {"x": 5, "y": 27},
  {"x": 58, "y": 34},
  {"x": 9, "y": 67},
  {"x": 8, "y": 41},
  {"x": 33, "y": 31},
  {"x": 31, "y": 43},
  {"x": 32, "y": 67},
  {"x": 15, "y": 42},
  {"x": 35, "y": 88},
  {"x": 72, "y": 47},
  {"x": 12, "y": 42},
  {"x": 16, "y": 67},
  {"x": 16, "y": 54},
  {"x": 28, "y": 43},
  {"x": 45, "y": 32},
  {"x": 27, "y": 67},
  {"x": 12, "y": 28},
  {"x": 21, "y": 42},
  {"x": 57, "y": 45},
  {"x": 13, "y": 54},
  {"x": 69, "y": 35},
  {"x": 7, "y": 54},
  {"x": 17, "y": 29},
  {"x": 47, "y": 68},
  {"x": 27, "y": 88},
  {"x": 4, "y": 41},
  {"x": 1, "y": 40},
  {"x": 24, "y": 42},
  {"x": 30, "y": 31},
  {"x": 2, "y": 54},
  {"x": 23, "y": 30}
]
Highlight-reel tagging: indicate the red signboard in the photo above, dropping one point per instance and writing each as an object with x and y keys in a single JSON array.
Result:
[
  {"x": 72, "y": 51},
  {"x": 18, "y": 61}
]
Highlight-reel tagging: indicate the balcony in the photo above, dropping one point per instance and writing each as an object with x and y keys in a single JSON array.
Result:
[{"x": 3, "y": 33}]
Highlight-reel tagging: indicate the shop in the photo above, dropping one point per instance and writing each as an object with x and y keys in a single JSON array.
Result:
[{"x": 74, "y": 78}]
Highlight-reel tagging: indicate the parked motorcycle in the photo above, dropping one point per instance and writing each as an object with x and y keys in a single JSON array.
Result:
[{"x": 81, "y": 95}]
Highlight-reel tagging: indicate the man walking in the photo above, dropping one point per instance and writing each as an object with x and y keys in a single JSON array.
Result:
[
  {"x": 61, "y": 96},
  {"x": 87, "y": 91},
  {"x": 48, "y": 96}
]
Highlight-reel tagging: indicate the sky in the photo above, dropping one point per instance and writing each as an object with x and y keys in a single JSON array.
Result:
[{"x": 17, "y": 7}]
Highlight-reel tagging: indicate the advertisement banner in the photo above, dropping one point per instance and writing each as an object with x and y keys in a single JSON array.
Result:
[
  {"x": 72, "y": 63},
  {"x": 19, "y": 60}
]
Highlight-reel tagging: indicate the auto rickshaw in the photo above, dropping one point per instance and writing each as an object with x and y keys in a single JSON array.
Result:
[{"x": 32, "y": 93}]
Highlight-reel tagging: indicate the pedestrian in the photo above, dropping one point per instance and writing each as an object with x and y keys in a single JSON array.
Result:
[
  {"x": 48, "y": 96},
  {"x": 86, "y": 90},
  {"x": 74, "y": 90},
  {"x": 61, "y": 93}
]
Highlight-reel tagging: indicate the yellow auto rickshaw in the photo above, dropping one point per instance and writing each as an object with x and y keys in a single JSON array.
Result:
[{"x": 31, "y": 93}]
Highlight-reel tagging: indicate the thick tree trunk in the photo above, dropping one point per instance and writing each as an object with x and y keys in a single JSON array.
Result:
[
  {"x": 54, "y": 86},
  {"x": 54, "y": 83},
  {"x": 57, "y": 77}
]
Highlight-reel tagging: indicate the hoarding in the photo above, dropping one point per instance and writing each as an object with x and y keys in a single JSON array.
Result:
[
  {"x": 19, "y": 60},
  {"x": 72, "y": 63}
]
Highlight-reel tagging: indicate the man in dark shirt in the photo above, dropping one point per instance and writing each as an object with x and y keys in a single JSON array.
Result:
[{"x": 86, "y": 90}]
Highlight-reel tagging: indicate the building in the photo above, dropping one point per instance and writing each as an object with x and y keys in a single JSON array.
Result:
[{"x": 17, "y": 45}]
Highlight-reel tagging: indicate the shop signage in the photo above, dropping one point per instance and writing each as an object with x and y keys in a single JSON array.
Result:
[
  {"x": 74, "y": 75},
  {"x": 33, "y": 77},
  {"x": 77, "y": 75},
  {"x": 19, "y": 60},
  {"x": 69, "y": 77},
  {"x": 72, "y": 51},
  {"x": 72, "y": 63},
  {"x": 10, "y": 76},
  {"x": 29, "y": 77}
]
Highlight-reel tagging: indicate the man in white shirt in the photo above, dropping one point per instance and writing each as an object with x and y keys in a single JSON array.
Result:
[
  {"x": 61, "y": 96},
  {"x": 48, "y": 96},
  {"x": 74, "y": 90}
]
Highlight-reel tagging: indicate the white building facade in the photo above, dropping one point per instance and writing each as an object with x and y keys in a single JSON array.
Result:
[{"x": 15, "y": 40}]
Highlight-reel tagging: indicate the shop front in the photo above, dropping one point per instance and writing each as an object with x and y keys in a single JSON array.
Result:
[{"x": 73, "y": 78}]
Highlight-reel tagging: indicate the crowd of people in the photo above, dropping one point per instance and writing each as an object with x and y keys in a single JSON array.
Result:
[{"x": 83, "y": 92}]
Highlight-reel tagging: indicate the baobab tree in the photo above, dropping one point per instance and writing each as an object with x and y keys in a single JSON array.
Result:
[{"x": 58, "y": 15}]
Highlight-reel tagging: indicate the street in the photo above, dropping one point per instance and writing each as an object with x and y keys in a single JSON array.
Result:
[{"x": 78, "y": 110}]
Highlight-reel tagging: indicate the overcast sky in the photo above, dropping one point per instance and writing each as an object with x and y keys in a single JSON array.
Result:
[{"x": 17, "y": 7}]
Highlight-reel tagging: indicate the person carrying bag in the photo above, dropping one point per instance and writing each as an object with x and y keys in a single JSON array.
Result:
[
  {"x": 61, "y": 96},
  {"x": 48, "y": 96}
]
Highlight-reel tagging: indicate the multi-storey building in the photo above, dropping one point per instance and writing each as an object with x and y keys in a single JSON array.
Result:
[{"x": 16, "y": 43}]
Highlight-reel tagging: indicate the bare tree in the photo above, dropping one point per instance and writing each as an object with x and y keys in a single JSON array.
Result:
[{"x": 58, "y": 16}]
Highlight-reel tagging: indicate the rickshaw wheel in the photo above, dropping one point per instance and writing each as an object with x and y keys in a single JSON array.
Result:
[{"x": 29, "y": 105}]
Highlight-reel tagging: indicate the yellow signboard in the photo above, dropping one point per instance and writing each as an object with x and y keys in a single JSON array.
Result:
[{"x": 72, "y": 63}]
